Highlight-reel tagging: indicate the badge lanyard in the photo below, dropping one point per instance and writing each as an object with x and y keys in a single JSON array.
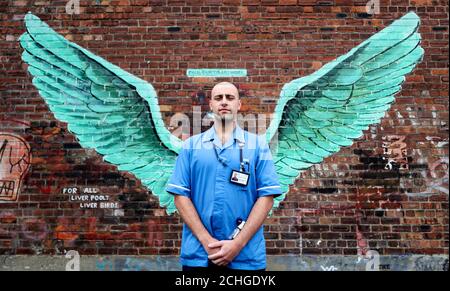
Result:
[
  {"x": 241, "y": 156},
  {"x": 241, "y": 160}
]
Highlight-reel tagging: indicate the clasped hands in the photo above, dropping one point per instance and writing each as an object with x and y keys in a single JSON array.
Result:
[{"x": 223, "y": 252}]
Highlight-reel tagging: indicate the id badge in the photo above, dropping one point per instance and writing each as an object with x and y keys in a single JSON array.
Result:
[{"x": 240, "y": 178}]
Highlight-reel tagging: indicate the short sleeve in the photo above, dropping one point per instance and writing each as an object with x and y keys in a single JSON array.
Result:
[
  {"x": 180, "y": 181},
  {"x": 267, "y": 182}
]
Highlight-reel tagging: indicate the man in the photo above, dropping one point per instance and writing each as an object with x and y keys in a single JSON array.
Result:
[{"x": 211, "y": 203}]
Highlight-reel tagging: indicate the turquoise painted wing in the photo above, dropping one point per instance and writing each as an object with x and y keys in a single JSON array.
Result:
[
  {"x": 108, "y": 109},
  {"x": 318, "y": 114}
]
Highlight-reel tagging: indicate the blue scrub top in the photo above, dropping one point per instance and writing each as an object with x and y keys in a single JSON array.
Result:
[{"x": 204, "y": 177}]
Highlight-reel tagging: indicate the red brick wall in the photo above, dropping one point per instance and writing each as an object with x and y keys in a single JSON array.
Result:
[{"x": 348, "y": 204}]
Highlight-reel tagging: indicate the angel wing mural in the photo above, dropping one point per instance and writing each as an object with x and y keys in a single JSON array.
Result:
[{"x": 118, "y": 115}]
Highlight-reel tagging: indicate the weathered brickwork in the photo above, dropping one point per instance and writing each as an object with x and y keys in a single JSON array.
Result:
[{"x": 387, "y": 192}]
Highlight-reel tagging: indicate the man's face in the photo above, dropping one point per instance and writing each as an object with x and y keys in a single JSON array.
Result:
[{"x": 225, "y": 102}]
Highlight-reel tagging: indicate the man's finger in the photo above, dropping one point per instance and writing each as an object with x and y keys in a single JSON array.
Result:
[
  {"x": 215, "y": 244},
  {"x": 215, "y": 256},
  {"x": 221, "y": 261},
  {"x": 218, "y": 261}
]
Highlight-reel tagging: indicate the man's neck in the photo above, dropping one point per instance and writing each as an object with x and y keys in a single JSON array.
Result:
[{"x": 224, "y": 129}]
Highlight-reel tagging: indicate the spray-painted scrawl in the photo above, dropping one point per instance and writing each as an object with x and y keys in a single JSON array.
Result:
[
  {"x": 15, "y": 159},
  {"x": 118, "y": 115}
]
